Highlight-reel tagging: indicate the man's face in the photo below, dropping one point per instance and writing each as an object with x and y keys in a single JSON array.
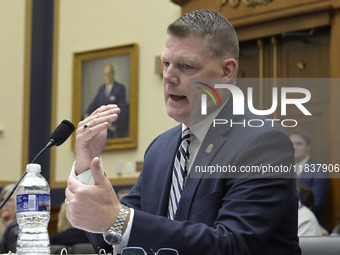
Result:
[
  {"x": 108, "y": 75},
  {"x": 185, "y": 58},
  {"x": 301, "y": 147}
]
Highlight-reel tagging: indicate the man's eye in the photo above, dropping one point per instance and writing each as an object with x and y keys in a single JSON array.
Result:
[
  {"x": 186, "y": 66},
  {"x": 166, "y": 64}
]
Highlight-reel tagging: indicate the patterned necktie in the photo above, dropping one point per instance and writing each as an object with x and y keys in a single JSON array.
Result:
[{"x": 179, "y": 174}]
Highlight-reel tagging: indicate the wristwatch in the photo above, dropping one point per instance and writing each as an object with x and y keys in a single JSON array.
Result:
[{"x": 114, "y": 235}]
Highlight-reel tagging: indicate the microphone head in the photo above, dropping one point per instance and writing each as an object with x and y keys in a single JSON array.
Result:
[{"x": 62, "y": 132}]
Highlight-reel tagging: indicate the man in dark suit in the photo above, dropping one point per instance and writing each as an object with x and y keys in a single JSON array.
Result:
[
  {"x": 307, "y": 171},
  {"x": 216, "y": 214},
  {"x": 112, "y": 92}
]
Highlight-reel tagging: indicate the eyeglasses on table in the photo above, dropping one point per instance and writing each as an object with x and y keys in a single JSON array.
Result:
[{"x": 141, "y": 251}]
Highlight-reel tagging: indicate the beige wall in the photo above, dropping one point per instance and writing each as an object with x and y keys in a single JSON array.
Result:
[
  {"x": 83, "y": 25},
  {"x": 87, "y": 25},
  {"x": 12, "y": 38}
]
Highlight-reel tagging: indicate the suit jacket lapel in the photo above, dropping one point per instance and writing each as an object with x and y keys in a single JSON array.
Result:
[
  {"x": 203, "y": 159},
  {"x": 168, "y": 167},
  {"x": 210, "y": 146}
]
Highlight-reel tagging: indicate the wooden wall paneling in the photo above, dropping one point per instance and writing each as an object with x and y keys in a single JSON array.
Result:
[
  {"x": 288, "y": 24},
  {"x": 249, "y": 65},
  {"x": 274, "y": 60},
  {"x": 243, "y": 15},
  {"x": 334, "y": 114},
  {"x": 306, "y": 55},
  {"x": 241, "y": 18}
]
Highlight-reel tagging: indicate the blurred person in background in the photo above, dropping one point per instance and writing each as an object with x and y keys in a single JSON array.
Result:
[
  {"x": 308, "y": 224},
  {"x": 8, "y": 214},
  {"x": 317, "y": 180}
]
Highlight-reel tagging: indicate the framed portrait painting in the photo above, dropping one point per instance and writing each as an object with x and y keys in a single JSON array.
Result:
[{"x": 108, "y": 76}]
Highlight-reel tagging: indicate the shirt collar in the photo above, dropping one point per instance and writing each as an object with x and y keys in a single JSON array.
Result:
[{"x": 201, "y": 128}]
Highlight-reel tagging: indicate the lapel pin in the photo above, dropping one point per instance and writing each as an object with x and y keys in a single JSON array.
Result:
[{"x": 209, "y": 148}]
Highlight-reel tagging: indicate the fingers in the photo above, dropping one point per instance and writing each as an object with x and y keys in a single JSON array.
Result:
[
  {"x": 99, "y": 119},
  {"x": 91, "y": 207},
  {"x": 74, "y": 201},
  {"x": 72, "y": 187},
  {"x": 69, "y": 197},
  {"x": 103, "y": 113},
  {"x": 97, "y": 174}
]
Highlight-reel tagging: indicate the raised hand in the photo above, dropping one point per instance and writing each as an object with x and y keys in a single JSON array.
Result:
[{"x": 91, "y": 135}]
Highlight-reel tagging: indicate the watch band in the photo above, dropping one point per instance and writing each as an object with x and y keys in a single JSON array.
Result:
[
  {"x": 120, "y": 221},
  {"x": 114, "y": 235}
]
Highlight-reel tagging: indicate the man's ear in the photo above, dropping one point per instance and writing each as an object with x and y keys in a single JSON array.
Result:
[{"x": 229, "y": 66}]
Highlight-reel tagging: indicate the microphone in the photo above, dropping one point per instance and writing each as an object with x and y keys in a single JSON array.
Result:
[
  {"x": 61, "y": 133},
  {"x": 58, "y": 137}
]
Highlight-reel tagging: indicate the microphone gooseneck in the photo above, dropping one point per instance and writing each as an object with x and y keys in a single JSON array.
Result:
[{"x": 58, "y": 137}]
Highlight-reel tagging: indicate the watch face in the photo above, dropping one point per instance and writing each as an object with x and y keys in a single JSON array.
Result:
[{"x": 112, "y": 238}]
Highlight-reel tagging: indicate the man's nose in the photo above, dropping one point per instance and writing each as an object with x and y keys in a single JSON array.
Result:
[{"x": 170, "y": 75}]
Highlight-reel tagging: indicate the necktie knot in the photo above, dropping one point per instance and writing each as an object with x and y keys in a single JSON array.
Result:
[{"x": 186, "y": 134}]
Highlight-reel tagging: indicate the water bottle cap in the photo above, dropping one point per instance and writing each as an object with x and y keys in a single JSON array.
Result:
[{"x": 33, "y": 168}]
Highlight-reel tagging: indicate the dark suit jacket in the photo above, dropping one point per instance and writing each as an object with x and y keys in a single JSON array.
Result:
[
  {"x": 69, "y": 237},
  {"x": 9, "y": 238},
  {"x": 218, "y": 215},
  {"x": 319, "y": 183},
  {"x": 117, "y": 96}
]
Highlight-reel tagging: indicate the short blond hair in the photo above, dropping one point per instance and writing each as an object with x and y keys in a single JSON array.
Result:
[{"x": 221, "y": 37}]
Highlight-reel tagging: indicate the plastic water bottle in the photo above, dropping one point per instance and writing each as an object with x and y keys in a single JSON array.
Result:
[{"x": 33, "y": 213}]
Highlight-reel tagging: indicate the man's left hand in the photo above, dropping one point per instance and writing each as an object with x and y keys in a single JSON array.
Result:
[{"x": 93, "y": 208}]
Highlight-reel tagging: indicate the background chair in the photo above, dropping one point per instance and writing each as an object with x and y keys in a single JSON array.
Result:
[{"x": 325, "y": 245}]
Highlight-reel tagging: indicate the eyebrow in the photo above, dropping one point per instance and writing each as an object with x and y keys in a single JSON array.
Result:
[{"x": 181, "y": 59}]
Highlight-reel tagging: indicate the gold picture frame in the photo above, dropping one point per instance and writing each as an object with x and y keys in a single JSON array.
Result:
[{"x": 89, "y": 85}]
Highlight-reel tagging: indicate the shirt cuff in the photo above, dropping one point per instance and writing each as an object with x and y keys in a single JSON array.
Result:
[
  {"x": 86, "y": 177},
  {"x": 126, "y": 235}
]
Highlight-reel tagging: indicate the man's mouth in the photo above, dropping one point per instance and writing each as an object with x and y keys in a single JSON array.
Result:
[{"x": 177, "y": 98}]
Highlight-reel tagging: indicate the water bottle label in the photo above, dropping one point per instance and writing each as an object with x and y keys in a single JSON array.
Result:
[{"x": 33, "y": 202}]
